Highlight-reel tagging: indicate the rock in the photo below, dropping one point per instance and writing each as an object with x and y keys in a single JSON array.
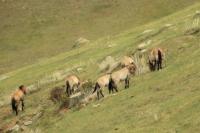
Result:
[
  {"x": 96, "y": 105},
  {"x": 37, "y": 116},
  {"x": 156, "y": 117},
  {"x": 108, "y": 64},
  {"x": 168, "y": 25},
  {"x": 196, "y": 15},
  {"x": 2, "y": 77},
  {"x": 32, "y": 88},
  {"x": 23, "y": 128},
  {"x": 144, "y": 51},
  {"x": 81, "y": 41},
  {"x": 79, "y": 69},
  {"x": 147, "y": 31},
  {"x": 57, "y": 75},
  {"x": 144, "y": 45},
  {"x": 197, "y": 12},
  {"x": 27, "y": 123},
  {"x": 14, "y": 129},
  {"x": 111, "y": 45}
]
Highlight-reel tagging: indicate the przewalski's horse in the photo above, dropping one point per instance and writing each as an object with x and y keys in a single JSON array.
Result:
[
  {"x": 122, "y": 75},
  {"x": 156, "y": 58},
  {"x": 101, "y": 83},
  {"x": 126, "y": 61},
  {"x": 72, "y": 84},
  {"x": 17, "y": 98}
]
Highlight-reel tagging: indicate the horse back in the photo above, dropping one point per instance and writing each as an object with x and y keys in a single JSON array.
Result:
[{"x": 18, "y": 95}]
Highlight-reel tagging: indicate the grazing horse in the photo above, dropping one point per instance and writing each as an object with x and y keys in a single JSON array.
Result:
[
  {"x": 72, "y": 84},
  {"x": 101, "y": 83},
  {"x": 122, "y": 75},
  {"x": 156, "y": 58},
  {"x": 18, "y": 97},
  {"x": 126, "y": 61}
]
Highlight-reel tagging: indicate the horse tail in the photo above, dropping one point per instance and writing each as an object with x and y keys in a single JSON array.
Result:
[
  {"x": 110, "y": 84},
  {"x": 97, "y": 86},
  {"x": 159, "y": 55}
]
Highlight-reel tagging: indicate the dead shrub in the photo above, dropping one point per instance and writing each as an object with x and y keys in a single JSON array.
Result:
[
  {"x": 58, "y": 96},
  {"x": 87, "y": 87}
]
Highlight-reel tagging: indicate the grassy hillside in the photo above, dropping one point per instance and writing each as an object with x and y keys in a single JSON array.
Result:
[
  {"x": 33, "y": 30},
  {"x": 164, "y": 101}
]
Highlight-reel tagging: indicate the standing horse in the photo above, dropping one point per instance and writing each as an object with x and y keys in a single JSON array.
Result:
[
  {"x": 72, "y": 84},
  {"x": 122, "y": 75},
  {"x": 18, "y": 97},
  {"x": 156, "y": 58},
  {"x": 102, "y": 82}
]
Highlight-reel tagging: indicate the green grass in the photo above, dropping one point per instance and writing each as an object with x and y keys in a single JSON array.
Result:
[
  {"x": 164, "y": 101},
  {"x": 39, "y": 29}
]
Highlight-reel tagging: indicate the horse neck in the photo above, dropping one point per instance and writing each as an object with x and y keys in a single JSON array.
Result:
[{"x": 23, "y": 93}]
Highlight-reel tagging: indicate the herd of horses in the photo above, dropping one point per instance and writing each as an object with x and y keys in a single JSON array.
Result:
[{"x": 111, "y": 81}]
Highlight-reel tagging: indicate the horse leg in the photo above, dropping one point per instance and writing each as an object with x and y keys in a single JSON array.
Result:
[
  {"x": 161, "y": 64},
  {"x": 16, "y": 109},
  {"x": 72, "y": 90},
  {"x": 15, "y": 106},
  {"x": 115, "y": 88},
  {"x": 157, "y": 64},
  {"x": 127, "y": 82},
  {"x": 154, "y": 65},
  {"x": 68, "y": 90},
  {"x": 101, "y": 93},
  {"x": 98, "y": 95},
  {"x": 79, "y": 86},
  {"x": 22, "y": 105},
  {"x": 110, "y": 89}
]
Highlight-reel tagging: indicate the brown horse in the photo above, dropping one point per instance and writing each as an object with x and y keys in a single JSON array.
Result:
[
  {"x": 72, "y": 84},
  {"x": 156, "y": 58},
  {"x": 122, "y": 75},
  {"x": 102, "y": 82},
  {"x": 18, "y": 97}
]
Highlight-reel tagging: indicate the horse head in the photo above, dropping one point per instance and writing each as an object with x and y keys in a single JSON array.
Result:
[
  {"x": 132, "y": 68},
  {"x": 23, "y": 89}
]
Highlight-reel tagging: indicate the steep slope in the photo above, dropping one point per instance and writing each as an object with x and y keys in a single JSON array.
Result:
[{"x": 31, "y": 30}]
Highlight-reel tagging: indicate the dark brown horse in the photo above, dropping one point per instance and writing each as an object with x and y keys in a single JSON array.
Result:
[{"x": 17, "y": 98}]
